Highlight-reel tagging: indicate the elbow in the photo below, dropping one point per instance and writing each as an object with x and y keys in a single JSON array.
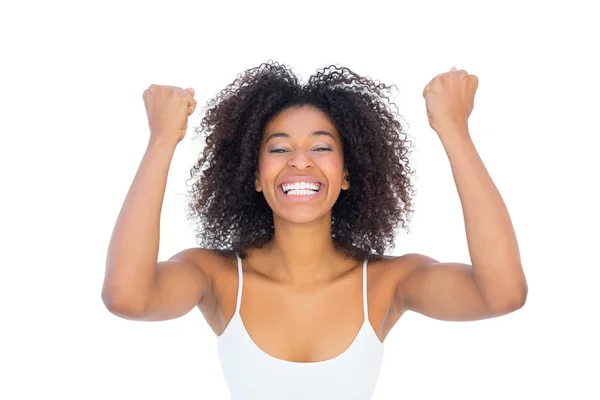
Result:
[
  {"x": 123, "y": 306},
  {"x": 508, "y": 303}
]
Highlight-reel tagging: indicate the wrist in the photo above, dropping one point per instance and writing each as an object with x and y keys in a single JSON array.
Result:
[
  {"x": 453, "y": 131},
  {"x": 455, "y": 139},
  {"x": 452, "y": 128},
  {"x": 161, "y": 144}
]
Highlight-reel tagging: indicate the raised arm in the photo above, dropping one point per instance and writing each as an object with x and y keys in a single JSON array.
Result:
[
  {"x": 494, "y": 283},
  {"x": 136, "y": 285}
]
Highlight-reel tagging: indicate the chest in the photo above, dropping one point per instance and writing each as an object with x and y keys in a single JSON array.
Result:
[{"x": 303, "y": 326}]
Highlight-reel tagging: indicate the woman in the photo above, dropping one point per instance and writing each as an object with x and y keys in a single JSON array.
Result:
[{"x": 299, "y": 191}]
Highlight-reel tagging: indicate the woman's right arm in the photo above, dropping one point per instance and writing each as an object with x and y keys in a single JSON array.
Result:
[{"x": 136, "y": 285}]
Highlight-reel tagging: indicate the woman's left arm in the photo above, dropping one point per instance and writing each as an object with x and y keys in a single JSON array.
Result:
[{"x": 494, "y": 283}]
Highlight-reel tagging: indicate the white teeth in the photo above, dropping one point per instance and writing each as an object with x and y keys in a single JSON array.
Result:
[
  {"x": 300, "y": 188},
  {"x": 295, "y": 192}
]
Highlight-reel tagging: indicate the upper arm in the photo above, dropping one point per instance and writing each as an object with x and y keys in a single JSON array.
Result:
[
  {"x": 181, "y": 283},
  {"x": 445, "y": 291}
]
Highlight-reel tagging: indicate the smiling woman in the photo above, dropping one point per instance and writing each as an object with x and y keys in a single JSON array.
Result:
[
  {"x": 298, "y": 194},
  {"x": 305, "y": 167},
  {"x": 267, "y": 126}
]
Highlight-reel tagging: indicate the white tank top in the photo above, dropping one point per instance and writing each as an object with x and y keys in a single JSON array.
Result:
[{"x": 252, "y": 374}]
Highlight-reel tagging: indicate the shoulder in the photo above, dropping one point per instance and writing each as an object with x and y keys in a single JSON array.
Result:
[
  {"x": 398, "y": 267},
  {"x": 387, "y": 273},
  {"x": 219, "y": 268},
  {"x": 212, "y": 262}
]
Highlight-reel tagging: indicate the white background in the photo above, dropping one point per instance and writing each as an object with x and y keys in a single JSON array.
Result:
[{"x": 73, "y": 130}]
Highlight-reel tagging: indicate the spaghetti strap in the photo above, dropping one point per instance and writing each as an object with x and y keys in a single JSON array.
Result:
[
  {"x": 364, "y": 291},
  {"x": 240, "y": 284}
]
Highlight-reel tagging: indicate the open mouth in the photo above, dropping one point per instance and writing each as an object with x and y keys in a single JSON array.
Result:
[{"x": 301, "y": 188}]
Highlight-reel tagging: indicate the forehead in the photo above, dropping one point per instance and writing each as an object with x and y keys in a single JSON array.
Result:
[{"x": 300, "y": 120}]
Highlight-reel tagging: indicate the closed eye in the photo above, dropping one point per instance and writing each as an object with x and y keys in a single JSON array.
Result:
[{"x": 319, "y": 149}]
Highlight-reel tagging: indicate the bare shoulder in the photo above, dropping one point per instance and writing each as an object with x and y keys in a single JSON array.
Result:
[
  {"x": 215, "y": 264},
  {"x": 208, "y": 259},
  {"x": 220, "y": 269},
  {"x": 397, "y": 268},
  {"x": 385, "y": 275}
]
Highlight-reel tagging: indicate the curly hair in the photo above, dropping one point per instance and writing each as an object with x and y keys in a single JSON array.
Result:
[{"x": 233, "y": 216}]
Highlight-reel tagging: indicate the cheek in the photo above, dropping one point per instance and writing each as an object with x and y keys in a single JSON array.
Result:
[
  {"x": 333, "y": 169},
  {"x": 268, "y": 169}
]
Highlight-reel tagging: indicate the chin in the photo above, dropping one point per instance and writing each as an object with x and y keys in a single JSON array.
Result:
[{"x": 299, "y": 217}]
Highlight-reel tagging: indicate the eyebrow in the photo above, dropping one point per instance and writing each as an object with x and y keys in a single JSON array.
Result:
[{"x": 285, "y": 135}]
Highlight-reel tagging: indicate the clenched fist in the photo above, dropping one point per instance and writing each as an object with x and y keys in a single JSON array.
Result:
[
  {"x": 168, "y": 109},
  {"x": 449, "y": 99}
]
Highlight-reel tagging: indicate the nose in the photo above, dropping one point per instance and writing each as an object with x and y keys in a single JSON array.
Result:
[{"x": 300, "y": 160}]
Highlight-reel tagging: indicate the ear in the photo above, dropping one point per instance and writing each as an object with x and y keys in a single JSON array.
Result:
[
  {"x": 257, "y": 185},
  {"x": 346, "y": 181}
]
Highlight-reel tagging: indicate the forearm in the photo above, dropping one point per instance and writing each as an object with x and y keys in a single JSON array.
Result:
[
  {"x": 133, "y": 249},
  {"x": 492, "y": 242}
]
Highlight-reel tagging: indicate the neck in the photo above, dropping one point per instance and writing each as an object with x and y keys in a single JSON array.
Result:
[{"x": 303, "y": 253}]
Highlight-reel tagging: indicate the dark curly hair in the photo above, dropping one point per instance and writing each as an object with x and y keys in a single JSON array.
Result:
[{"x": 233, "y": 216}]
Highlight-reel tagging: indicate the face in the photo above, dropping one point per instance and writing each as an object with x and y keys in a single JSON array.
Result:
[{"x": 301, "y": 165}]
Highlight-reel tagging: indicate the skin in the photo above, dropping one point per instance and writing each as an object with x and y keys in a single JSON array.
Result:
[{"x": 302, "y": 298}]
